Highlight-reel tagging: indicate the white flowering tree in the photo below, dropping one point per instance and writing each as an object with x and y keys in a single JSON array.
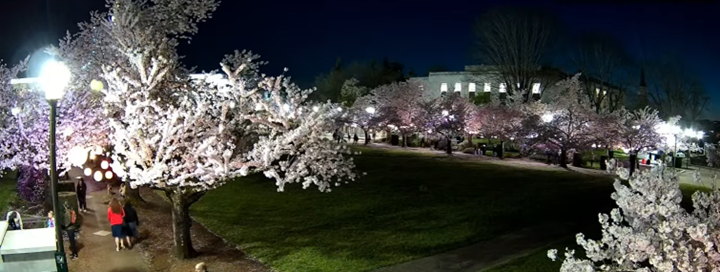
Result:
[
  {"x": 448, "y": 117},
  {"x": 650, "y": 231},
  {"x": 186, "y": 137},
  {"x": 638, "y": 130},
  {"x": 569, "y": 118},
  {"x": 363, "y": 115},
  {"x": 401, "y": 106}
]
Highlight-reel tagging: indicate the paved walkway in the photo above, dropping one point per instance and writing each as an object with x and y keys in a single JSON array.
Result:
[
  {"x": 483, "y": 255},
  {"x": 97, "y": 249}
]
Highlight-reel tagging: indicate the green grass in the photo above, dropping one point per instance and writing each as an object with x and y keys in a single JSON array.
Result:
[
  {"x": 8, "y": 191},
  {"x": 538, "y": 261},
  {"x": 385, "y": 218}
]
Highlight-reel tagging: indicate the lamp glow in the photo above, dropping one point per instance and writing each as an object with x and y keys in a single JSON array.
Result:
[
  {"x": 548, "y": 117},
  {"x": 104, "y": 165},
  {"x": 87, "y": 172},
  {"x": 98, "y": 176},
  {"x": 96, "y": 85},
  {"x": 78, "y": 156},
  {"x": 54, "y": 77},
  {"x": 445, "y": 113},
  {"x": 108, "y": 175},
  {"x": 370, "y": 110},
  {"x": 316, "y": 108},
  {"x": 286, "y": 107},
  {"x": 15, "y": 111}
]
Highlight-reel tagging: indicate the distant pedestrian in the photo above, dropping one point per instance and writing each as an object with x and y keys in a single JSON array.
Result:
[
  {"x": 50, "y": 223},
  {"x": 81, "y": 191},
  {"x": 131, "y": 222},
  {"x": 355, "y": 139},
  {"x": 123, "y": 189},
  {"x": 115, "y": 216},
  {"x": 70, "y": 226}
]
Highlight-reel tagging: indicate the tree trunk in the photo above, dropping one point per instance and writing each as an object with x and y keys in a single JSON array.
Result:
[
  {"x": 133, "y": 196},
  {"x": 448, "y": 149},
  {"x": 501, "y": 150},
  {"x": 367, "y": 137},
  {"x": 633, "y": 163},
  {"x": 181, "y": 221},
  {"x": 563, "y": 157},
  {"x": 404, "y": 140}
]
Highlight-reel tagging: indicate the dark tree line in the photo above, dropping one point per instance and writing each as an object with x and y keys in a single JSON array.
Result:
[{"x": 369, "y": 75}]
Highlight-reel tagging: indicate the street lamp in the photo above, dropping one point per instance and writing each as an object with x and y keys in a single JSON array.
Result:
[
  {"x": 370, "y": 110},
  {"x": 54, "y": 77},
  {"x": 548, "y": 117}
]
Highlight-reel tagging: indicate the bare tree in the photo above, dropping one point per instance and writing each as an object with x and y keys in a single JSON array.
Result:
[
  {"x": 604, "y": 65},
  {"x": 675, "y": 91},
  {"x": 517, "y": 43}
]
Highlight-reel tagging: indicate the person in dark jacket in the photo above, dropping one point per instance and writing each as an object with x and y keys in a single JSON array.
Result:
[
  {"x": 81, "y": 191},
  {"x": 70, "y": 226},
  {"x": 131, "y": 222}
]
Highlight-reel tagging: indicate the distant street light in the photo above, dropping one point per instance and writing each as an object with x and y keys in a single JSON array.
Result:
[
  {"x": 15, "y": 111},
  {"x": 548, "y": 117},
  {"x": 54, "y": 77},
  {"x": 370, "y": 110},
  {"x": 445, "y": 113}
]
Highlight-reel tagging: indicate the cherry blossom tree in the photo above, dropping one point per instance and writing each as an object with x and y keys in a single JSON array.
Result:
[
  {"x": 510, "y": 118},
  {"x": 26, "y": 130},
  {"x": 650, "y": 230},
  {"x": 187, "y": 136},
  {"x": 638, "y": 130},
  {"x": 363, "y": 115},
  {"x": 401, "y": 105},
  {"x": 448, "y": 117},
  {"x": 569, "y": 118}
]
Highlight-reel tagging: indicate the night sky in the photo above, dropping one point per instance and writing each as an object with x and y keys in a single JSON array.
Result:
[{"x": 308, "y": 36}]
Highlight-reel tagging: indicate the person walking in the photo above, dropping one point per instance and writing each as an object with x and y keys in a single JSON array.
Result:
[
  {"x": 115, "y": 216},
  {"x": 131, "y": 222},
  {"x": 70, "y": 226},
  {"x": 355, "y": 139},
  {"x": 81, "y": 191}
]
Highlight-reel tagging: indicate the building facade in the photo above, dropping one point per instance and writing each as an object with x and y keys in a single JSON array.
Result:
[{"x": 477, "y": 79}]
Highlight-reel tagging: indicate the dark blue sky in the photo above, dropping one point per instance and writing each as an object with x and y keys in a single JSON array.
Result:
[{"x": 308, "y": 36}]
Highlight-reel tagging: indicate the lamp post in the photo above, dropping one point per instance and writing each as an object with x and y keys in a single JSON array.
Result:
[{"x": 53, "y": 79}]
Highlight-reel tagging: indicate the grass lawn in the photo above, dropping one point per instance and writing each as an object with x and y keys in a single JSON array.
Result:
[
  {"x": 8, "y": 191},
  {"x": 538, "y": 260},
  {"x": 408, "y": 206}
]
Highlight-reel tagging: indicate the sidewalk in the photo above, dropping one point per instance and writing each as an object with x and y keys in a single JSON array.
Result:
[
  {"x": 487, "y": 254},
  {"x": 96, "y": 246}
]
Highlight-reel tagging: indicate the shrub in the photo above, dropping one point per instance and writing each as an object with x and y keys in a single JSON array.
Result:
[{"x": 31, "y": 184}]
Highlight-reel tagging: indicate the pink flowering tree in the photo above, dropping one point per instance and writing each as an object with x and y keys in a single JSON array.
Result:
[
  {"x": 187, "y": 136},
  {"x": 650, "y": 230},
  {"x": 448, "y": 117},
  {"x": 569, "y": 119},
  {"x": 401, "y": 106},
  {"x": 25, "y": 134}
]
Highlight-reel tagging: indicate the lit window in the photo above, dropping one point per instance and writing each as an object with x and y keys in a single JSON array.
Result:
[
  {"x": 443, "y": 87},
  {"x": 486, "y": 88},
  {"x": 503, "y": 87},
  {"x": 536, "y": 88},
  {"x": 471, "y": 87},
  {"x": 518, "y": 85},
  {"x": 458, "y": 87},
  {"x": 597, "y": 90}
]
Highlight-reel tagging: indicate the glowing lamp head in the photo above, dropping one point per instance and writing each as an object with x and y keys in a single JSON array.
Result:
[
  {"x": 15, "y": 111},
  {"x": 445, "y": 113},
  {"x": 104, "y": 165},
  {"x": 370, "y": 110},
  {"x": 98, "y": 176},
  {"x": 78, "y": 156},
  {"x": 108, "y": 175},
  {"x": 316, "y": 108},
  {"x": 87, "y": 172},
  {"x": 54, "y": 77},
  {"x": 96, "y": 85}
]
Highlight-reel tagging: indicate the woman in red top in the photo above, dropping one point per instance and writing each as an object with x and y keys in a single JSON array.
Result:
[{"x": 115, "y": 216}]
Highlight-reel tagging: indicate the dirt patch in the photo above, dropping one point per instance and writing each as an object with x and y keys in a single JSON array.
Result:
[{"x": 156, "y": 242}]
